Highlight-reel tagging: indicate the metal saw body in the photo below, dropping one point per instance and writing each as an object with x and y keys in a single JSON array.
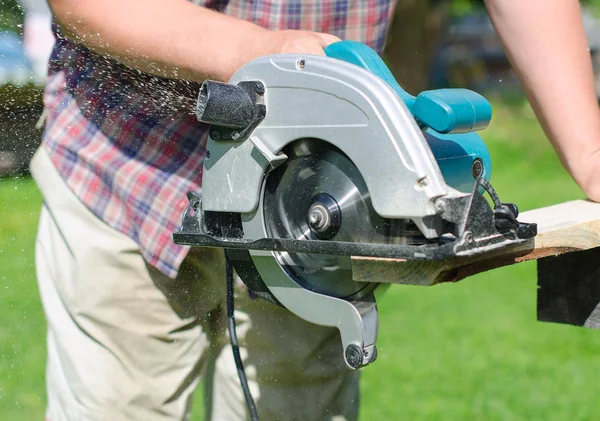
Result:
[{"x": 312, "y": 159}]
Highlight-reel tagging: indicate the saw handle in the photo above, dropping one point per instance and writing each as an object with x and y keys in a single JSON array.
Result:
[{"x": 443, "y": 110}]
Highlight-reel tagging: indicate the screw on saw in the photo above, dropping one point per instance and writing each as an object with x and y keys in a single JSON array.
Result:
[
  {"x": 477, "y": 168},
  {"x": 354, "y": 356}
]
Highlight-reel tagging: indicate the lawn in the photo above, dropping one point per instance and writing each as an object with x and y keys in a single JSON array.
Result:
[{"x": 466, "y": 351}]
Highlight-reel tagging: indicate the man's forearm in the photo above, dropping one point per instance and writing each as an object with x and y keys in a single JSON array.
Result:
[
  {"x": 546, "y": 44},
  {"x": 175, "y": 38}
]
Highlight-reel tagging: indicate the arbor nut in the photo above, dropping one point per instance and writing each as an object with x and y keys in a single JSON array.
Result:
[
  {"x": 354, "y": 356},
  {"x": 318, "y": 217},
  {"x": 324, "y": 216}
]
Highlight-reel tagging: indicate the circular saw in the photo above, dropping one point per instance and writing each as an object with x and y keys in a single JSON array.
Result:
[{"x": 314, "y": 159}]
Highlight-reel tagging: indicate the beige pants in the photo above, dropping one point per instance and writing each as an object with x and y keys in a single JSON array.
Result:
[{"x": 128, "y": 343}]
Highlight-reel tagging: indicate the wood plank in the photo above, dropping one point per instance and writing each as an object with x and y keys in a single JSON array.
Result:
[
  {"x": 563, "y": 228},
  {"x": 568, "y": 289}
]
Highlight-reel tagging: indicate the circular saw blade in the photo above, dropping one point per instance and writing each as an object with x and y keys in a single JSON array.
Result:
[{"x": 312, "y": 171}]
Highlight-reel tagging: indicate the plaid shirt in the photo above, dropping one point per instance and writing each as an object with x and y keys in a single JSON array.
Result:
[{"x": 128, "y": 144}]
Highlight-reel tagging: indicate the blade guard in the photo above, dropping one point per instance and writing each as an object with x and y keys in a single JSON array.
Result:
[{"x": 449, "y": 117}]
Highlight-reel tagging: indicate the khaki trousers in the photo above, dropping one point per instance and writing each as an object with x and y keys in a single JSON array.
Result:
[{"x": 125, "y": 342}]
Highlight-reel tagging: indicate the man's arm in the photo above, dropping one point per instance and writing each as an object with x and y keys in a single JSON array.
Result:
[
  {"x": 546, "y": 44},
  {"x": 175, "y": 38}
]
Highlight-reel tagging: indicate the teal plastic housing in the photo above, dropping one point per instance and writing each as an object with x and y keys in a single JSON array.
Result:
[
  {"x": 447, "y": 116},
  {"x": 455, "y": 154}
]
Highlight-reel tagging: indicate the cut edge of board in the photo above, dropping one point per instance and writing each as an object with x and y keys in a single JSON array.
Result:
[{"x": 563, "y": 228}]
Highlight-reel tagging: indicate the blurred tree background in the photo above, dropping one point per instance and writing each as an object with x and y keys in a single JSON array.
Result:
[
  {"x": 415, "y": 34},
  {"x": 413, "y": 38},
  {"x": 417, "y": 31}
]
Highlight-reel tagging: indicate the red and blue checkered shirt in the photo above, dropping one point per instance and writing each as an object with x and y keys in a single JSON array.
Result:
[{"x": 128, "y": 143}]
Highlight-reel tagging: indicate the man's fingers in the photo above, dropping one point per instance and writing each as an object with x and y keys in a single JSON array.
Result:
[
  {"x": 328, "y": 39},
  {"x": 303, "y": 42}
]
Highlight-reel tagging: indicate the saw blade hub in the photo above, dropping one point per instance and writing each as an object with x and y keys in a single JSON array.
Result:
[{"x": 324, "y": 216}]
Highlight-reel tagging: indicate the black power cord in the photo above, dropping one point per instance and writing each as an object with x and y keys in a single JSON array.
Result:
[{"x": 234, "y": 342}]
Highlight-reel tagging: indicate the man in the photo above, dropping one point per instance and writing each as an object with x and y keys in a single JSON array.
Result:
[{"x": 134, "y": 320}]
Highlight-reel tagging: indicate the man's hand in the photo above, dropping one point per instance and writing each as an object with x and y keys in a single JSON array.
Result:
[
  {"x": 175, "y": 38},
  {"x": 299, "y": 42},
  {"x": 546, "y": 44}
]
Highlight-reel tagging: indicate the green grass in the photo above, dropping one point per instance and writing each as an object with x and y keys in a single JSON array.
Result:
[
  {"x": 22, "y": 326},
  {"x": 466, "y": 351}
]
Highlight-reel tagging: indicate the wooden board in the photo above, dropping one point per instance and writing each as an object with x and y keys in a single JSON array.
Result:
[
  {"x": 563, "y": 228},
  {"x": 568, "y": 289}
]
